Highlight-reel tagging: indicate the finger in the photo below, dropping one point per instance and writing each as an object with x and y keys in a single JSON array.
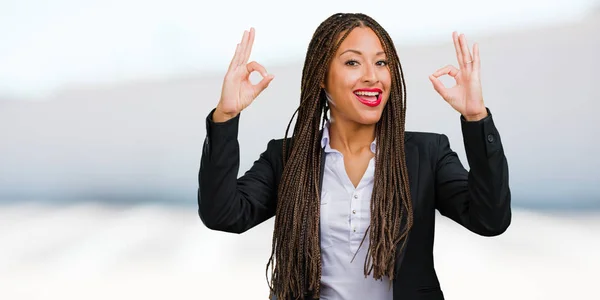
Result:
[
  {"x": 263, "y": 84},
  {"x": 254, "y": 66},
  {"x": 248, "y": 49},
  {"x": 476, "y": 60},
  {"x": 234, "y": 60},
  {"x": 465, "y": 51},
  {"x": 243, "y": 46},
  {"x": 438, "y": 86},
  {"x": 449, "y": 70},
  {"x": 457, "y": 48}
]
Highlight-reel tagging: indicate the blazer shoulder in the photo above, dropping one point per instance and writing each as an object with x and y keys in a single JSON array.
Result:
[
  {"x": 428, "y": 144},
  {"x": 275, "y": 146},
  {"x": 274, "y": 151},
  {"x": 422, "y": 137}
]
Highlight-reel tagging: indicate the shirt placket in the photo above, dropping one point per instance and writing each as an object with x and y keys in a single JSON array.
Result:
[{"x": 355, "y": 215}]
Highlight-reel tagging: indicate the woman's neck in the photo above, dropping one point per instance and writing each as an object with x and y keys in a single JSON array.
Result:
[{"x": 351, "y": 137}]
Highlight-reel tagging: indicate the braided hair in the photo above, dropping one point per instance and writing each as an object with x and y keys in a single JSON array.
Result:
[{"x": 295, "y": 259}]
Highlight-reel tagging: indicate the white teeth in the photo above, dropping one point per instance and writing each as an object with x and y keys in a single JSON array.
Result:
[{"x": 361, "y": 93}]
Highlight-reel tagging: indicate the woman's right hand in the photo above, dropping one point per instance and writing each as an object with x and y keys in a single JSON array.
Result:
[{"x": 238, "y": 92}]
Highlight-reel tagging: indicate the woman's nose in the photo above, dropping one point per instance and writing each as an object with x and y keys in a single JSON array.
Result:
[{"x": 369, "y": 74}]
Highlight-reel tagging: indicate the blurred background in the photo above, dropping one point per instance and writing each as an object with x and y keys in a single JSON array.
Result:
[{"x": 102, "y": 111}]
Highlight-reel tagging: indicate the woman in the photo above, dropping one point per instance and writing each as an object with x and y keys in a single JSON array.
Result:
[{"x": 354, "y": 196}]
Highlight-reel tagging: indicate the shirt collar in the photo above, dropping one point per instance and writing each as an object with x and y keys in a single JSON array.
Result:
[{"x": 327, "y": 147}]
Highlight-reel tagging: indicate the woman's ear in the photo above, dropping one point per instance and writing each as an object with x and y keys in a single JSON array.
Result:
[{"x": 323, "y": 82}]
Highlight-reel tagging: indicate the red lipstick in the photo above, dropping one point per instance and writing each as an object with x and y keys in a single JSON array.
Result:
[{"x": 369, "y": 100}]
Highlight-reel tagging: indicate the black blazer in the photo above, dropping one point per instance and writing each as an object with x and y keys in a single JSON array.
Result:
[{"x": 478, "y": 199}]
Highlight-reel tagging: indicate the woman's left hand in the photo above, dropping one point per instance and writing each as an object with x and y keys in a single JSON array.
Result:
[{"x": 466, "y": 96}]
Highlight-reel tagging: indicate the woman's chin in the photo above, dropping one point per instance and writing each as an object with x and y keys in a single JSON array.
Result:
[{"x": 369, "y": 117}]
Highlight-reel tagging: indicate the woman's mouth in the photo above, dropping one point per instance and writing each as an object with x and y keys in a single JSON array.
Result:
[{"x": 369, "y": 97}]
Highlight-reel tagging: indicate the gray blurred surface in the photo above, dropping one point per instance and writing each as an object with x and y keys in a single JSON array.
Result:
[{"x": 141, "y": 141}]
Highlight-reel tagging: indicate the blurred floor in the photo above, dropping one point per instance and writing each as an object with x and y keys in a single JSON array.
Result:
[{"x": 93, "y": 251}]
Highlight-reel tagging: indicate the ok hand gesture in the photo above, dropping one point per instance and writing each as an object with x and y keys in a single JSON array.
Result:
[
  {"x": 466, "y": 96},
  {"x": 238, "y": 92}
]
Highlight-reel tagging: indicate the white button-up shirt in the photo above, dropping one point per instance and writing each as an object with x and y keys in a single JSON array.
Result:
[{"x": 345, "y": 216}]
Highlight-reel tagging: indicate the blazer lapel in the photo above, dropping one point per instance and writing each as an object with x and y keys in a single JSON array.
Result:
[{"x": 412, "y": 166}]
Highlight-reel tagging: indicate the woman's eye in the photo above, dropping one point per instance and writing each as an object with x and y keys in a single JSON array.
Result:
[{"x": 355, "y": 63}]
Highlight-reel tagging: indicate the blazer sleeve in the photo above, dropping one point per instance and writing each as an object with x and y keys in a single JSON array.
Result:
[
  {"x": 478, "y": 199},
  {"x": 226, "y": 202}
]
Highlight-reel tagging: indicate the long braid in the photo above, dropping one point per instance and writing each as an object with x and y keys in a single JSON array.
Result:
[{"x": 296, "y": 253}]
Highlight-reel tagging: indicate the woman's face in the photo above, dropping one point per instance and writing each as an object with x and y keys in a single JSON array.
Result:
[{"x": 358, "y": 80}]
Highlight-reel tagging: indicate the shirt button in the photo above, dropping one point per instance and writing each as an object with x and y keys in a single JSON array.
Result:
[
  {"x": 354, "y": 230},
  {"x": 490, "y": 138},
  {"x": 354, "y": 211},
  {"x": 355, "y": 196}
]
